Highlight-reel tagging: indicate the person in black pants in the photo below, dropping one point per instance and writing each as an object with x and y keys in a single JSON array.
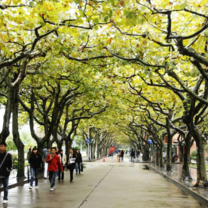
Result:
[
  {"x": 122, "y": 154},
  {"x": 35, "y": 162},
  {"x": 6, "y": 165},
  {"x": 63, "y": 162},
  {"x": 71, "y": 162},
  {"x": 78, "y": 161},
  {"x": 132, "y": 155}
]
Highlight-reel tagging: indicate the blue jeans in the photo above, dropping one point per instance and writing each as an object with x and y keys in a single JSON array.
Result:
[
  {"x": 52, "y": 177},
  {"x": 77, "y": 167},
  {"x": 5, "y": 182},
  {"x": 34, "y": 172}
]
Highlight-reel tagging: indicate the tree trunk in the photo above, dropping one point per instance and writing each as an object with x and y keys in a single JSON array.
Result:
[
  {"x": 40, "y": 147},
  {"x": 161, "y": 156},
  {"x": 7, "y": 115},
  {"x": 66, "y": 146},
  {"x": 59, "y": 145},
  {"x": 201, "y": 167},
  {"x": 169, "y": 147},
  {"x": 181, "y": 156},
  {"x": 16, "y": 136},
  {"x": 185, "y": 170},
  {"x": 49, "y": 143},
  {"x": 93, "y": 151},
  {"x": 157, "y": 157}
]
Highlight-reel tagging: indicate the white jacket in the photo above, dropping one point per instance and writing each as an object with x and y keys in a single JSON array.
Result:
[{"x": 63, "y": 159}]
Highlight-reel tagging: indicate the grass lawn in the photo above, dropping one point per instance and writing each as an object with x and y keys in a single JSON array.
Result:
[{"x": 194, "y": 166}]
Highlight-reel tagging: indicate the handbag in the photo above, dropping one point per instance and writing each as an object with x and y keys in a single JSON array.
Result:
[{"x": 81, "y": 168}]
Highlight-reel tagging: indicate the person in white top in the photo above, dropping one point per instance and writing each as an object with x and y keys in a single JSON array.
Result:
[
  {"x": 164, "y": 155},
  {"x": 63, "y": 162},
  {"x": 45, "y": 163}
]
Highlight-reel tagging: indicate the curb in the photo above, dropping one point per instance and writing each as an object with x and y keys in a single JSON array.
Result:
[
  {"x": 15, "y": 184},
  {"x": 196, "y": 168},
  {"x": 197, "y": 196},
  {"x": 24, "y": 181}
]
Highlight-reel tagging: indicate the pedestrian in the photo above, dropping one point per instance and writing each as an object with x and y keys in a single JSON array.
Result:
[
  {"x": 164, "y": 156},
  {"x": 137, "y": 153},
  {"x": 28, "y": 166},
  {"x": 119, "y": 155},
  {"x": 132, "y": 155},
  {"x": 35, "y": 162},
  {"x": 63, "y": 162},
  {"x": 6, "y": 165},
  {"x": 122, "y": 154},
  {"x": 29, "y": 153},
  {"x": 78, "y": 161},
  {"x": 57, "y": 152},
  {"x": 71, "y": 162},
  {"x": 53, "y": 161},
  {"x": 45, "y": 163}
]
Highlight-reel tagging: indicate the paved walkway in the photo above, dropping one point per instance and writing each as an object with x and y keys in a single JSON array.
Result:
[
  {"x": 104, "y": 185},
  {"x": 176, "y": 174}
]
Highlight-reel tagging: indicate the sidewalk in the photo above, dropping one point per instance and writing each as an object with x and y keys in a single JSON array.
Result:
[
  {"x": 109, "y": 184},
  {"x": 175, "y": 177}
]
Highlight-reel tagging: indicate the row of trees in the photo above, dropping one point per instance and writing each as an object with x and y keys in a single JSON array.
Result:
[{"x": 64, "y": 62}]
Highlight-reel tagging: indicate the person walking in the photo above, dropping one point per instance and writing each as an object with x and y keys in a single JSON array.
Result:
[
  {"x": 132, "y": 155},
  {"x": 63, "y": 162},
  {"x": 122, "y": 154},
  {"x": 6, "y": 165},
  {"x": 45, "y": 163},
  {"x": 35, "y": 162},
  {"x": 54, "y": 163},
  {"x": 78, "y": 161},
  {"x": 29, "y": 154},
  {"x": 164, "y": 156},
  {"x": 57, "y": 152},
  {"x": 119, "y": 155},
  {"x": 71, "y": 162},
  {"x": 28, "y": 166}
]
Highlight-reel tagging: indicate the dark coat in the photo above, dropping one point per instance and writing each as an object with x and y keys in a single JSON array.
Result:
[
  {"x": 7, "y": 165},
  {"x": 132, "y": 153},
  {"x": 78, "y": 158},
  {"x": 122, "y": 153},
  {"x": 70, "y": 165},
  {"x": 35, "y": 160}
]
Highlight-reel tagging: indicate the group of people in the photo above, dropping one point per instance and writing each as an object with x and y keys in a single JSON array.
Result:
[
  {"x": 120, "y": 155},
  {"x": 54, "y": 162},
  {"x": 134, "y": 154}
]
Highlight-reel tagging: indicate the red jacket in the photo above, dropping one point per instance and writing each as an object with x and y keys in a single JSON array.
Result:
[{"x": 54, "y": 163}]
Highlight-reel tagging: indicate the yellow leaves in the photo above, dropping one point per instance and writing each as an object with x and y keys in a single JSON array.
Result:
[
  {"x": 109, "y": 40},
  {"x": 48, "y": 6},
  {"x": 118, "y": 12},
  {"x": 91, "y": 3},
  {"x": 8, "y": 2}
]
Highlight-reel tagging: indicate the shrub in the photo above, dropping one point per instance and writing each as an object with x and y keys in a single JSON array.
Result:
[
  {"x": 193, "y": 157},
  {"x": 193, "y": 153}
]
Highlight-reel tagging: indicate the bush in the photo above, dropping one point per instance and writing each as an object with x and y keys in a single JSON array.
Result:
[
  {"x": 15, "y": 157},
  {"x": 193, "y": 153},
  {"x": 193, "y": 157}
]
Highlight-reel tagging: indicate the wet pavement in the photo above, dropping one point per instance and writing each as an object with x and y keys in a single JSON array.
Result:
[
  {"x": 176, "y": 174},
  {"x": 109, "y": 184}
]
